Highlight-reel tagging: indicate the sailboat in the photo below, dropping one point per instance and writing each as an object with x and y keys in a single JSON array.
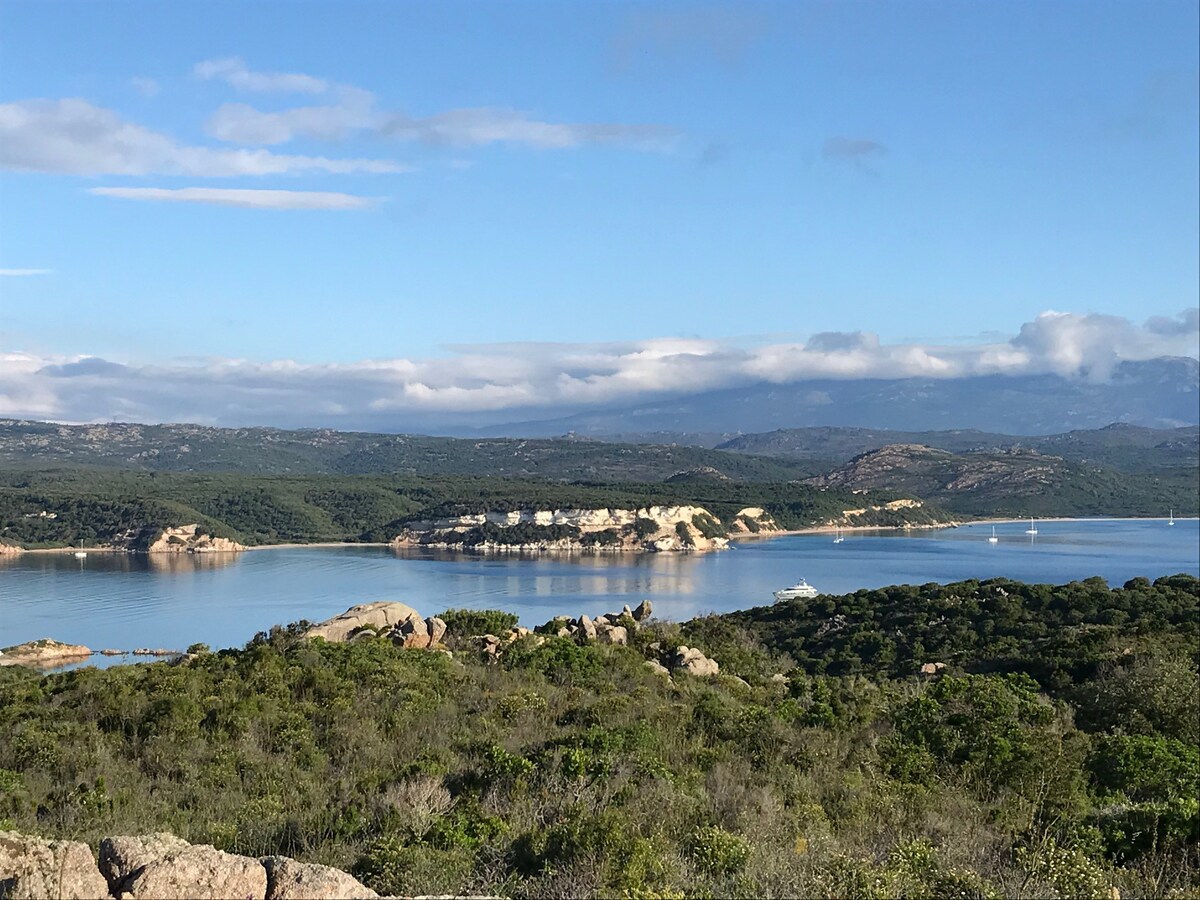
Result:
[
  {"x": 1032, "y": 529},
  {"x": 837, "y": 538},
  {"x": 993, "y": 539},
  {"x": 1171, "y": 517}
]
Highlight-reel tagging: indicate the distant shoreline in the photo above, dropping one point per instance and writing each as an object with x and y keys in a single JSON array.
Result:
[
  {"x": 833, "y": 529},
  {"x": 747, "y": 536}
]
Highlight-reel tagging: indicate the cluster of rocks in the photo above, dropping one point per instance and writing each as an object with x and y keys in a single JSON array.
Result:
[
  {"x": 47, "y": 653},
  {"x": 404, "y": 625},
  {"x": 610, "y": 628},
  {"x": 682, "y": 659},
  {"x": 493, "y": 645},
  {"x": 160, "y": 866}
]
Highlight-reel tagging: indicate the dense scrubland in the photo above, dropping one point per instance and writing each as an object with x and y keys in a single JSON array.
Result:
[{"x": 1054, "y": 755}]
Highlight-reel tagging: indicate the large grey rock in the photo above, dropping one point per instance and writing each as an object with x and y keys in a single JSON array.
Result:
[
  {"x": 121, "y": 857},
  {"x": 291, "y": 880},
  {"x": 381, "y": 615},
  {"x": 614, "y": 634},
  {"x": 694, "y": 662},
  {"x": 588, "y": 628},
  {"x": 437, "y": 629},
  {"x": 412, "y": 633},
  {"x": 31, "y": 867},
  {"x": 198, "y": 873},
  {"x": 643, "y": 611}
]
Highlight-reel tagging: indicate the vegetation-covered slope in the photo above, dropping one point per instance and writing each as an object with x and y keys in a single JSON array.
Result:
[
  {"x": 1017, "y": 483},
  {"x": 271, "y": 451},
  {"x": 92, "y": 506},
  {"x": 1127, "y": 448},
  {"x": 568, "y": 770}
]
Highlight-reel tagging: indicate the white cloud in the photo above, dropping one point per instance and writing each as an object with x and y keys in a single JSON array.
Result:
[
  {"x": 74, "y": 137},
  {"x": 253, "y": 199},
  {"x": 354, "y": 112},
  {"x": 20, "y": 273},
  {"x": 234, "y": 73},
  {"x": 147, "y": 87},
  {"x": 494, "y": 125},
  {"x": 243, "y": 124},
  {"x": 533, "y": 377}
]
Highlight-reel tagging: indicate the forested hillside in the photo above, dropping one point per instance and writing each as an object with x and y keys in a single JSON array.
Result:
[
  {"x": 1053, "y": 755},
  {"x": 89, "y": 506},
  {"x": 271, "y": 451},
  {"x": 1017, "y": 483},
  {"x": 1126, "y": 448}
]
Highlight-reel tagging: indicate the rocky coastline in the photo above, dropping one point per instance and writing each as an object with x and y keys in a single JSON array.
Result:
[{"x": 650, "y": 529}]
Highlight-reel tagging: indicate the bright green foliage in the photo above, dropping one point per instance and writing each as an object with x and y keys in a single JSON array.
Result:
[{"x": 718, "y": 852}]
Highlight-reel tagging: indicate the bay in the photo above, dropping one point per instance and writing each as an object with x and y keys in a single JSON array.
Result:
[{"x": 126, "y": 601}]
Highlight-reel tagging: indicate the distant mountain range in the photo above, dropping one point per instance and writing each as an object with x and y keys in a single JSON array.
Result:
[
  {"x": 1159, "y": 393},
  {"x": 1117, "y": 470}
]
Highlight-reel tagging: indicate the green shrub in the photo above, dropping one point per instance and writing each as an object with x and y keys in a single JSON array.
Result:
[
  {"x": 466, "y": 623},
  {"x": 718, "y": 852}
]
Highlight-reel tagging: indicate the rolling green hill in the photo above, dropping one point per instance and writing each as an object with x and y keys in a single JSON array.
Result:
[
  {"x": 1128, "y": 448},
  {"x": 1017, "y": 483}
]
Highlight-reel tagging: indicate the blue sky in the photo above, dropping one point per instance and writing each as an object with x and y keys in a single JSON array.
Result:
[{"x": 183, "y": 184}]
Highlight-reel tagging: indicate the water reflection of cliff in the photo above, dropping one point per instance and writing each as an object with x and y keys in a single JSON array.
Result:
[
  {"x": 551, "y": 574},
  {"x": 182, "y": 563}
]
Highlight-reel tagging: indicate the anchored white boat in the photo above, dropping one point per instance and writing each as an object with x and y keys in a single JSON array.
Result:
[
  {"x": 1032, "y": 529},
  {"x": 800, "y": 590},
  {"x": 993, "y": 539},
  {"x": 1171, "y": 517},
  {"x": 837, "y": 538}
]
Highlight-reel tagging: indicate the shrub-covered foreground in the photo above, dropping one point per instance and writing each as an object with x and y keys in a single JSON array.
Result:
[{"x": 570, "y": 770}]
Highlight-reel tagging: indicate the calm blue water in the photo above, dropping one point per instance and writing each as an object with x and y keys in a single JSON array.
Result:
[{"x": 126, "y": 601}]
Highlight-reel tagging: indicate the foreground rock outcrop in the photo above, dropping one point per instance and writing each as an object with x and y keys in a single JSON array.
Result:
[
  {"x": 160, "y": 866},
  {"x": 403, "y": 624},
  {"x": 32, "y": 868}
]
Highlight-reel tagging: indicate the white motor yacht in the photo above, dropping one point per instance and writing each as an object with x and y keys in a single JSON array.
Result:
[{"x": 801, "y": 589}]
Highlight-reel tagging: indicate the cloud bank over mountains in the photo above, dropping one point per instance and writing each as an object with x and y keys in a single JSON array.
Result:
[{"x": 535, "y": 379}]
